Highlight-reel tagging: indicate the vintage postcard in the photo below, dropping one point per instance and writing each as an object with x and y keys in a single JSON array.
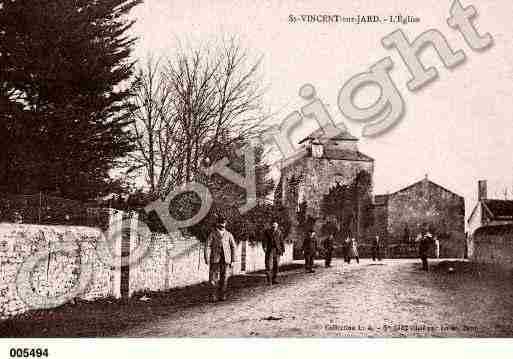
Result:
[{"x": 241, "y": 169}]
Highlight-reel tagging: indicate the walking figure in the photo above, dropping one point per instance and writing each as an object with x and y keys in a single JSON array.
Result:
[
  {"x": 425, "y": 240},
  {"x": 437, "y": 248},
  {"x": 375, "y": 249},
  {"x": 347, "y": 250},
  {"x": 219, "y": 256},
  {"x": 274, "y": 247},
  {"x": 354, "y": 250},
  {"x": 328, "y": 250},
  {"x": 309, "y": 249}
]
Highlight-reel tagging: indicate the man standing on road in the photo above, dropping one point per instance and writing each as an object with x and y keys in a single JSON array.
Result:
[
  {"x": 309, "y": 249},
  {"x": 375, "y": 249},
  {"x": 220, "y": 256},
  {"x": 347, "y": 250},
  {"x": 437, "y": 247},
  {"x": 328, "y": 250},
  {"x": 274, "y": 247},
  {"x": 425, "y": 240}
]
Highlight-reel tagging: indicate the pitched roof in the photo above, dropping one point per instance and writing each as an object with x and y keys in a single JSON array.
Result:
[
  {"x": 319, "y": 134},
  {"x": 418, "y": 183},
  {"x": 340, "y": 154},
  {"x": 328, "y": 153},
  {"x": 499, "y": 209}
]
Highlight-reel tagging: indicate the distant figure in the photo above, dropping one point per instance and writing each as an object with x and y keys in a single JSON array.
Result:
[
  {"x": 375, "y": 249},
  {"x": 18, "y": 218},
  {"x": 309, "y": 249},
  {"x": 328, "y": 250},
  {"x": 424, "y": 243},
  {"x": 437, "y": 247},
  {"x": 219, "y": 256},
  {"x": 354, "y": 250},
  {"x": 274, "y": 248},
  {"x": 347, "y": 250}
]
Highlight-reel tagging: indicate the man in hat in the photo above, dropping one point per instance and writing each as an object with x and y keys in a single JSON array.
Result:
[
  {"x": 274, "y": 247},
  {"x": 309, "y": 249},
  {"x": 328, "y": 249},
  {"x": 219, "y": 256},
  {"x": 375, "y": 248},
  {"x": 425, "y": 241}
]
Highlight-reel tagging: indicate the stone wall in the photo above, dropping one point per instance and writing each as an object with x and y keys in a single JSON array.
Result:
[
  {"x": 176, "y": 261},
  {"x": 318, "y": 177},
  {"x": 493, "y": 245},
  {"x": 380, "y": 221},
  {"x": 309, "y": 180},
  {"x": 56, "y": 273},
  {"x": 170, "y": 261}
]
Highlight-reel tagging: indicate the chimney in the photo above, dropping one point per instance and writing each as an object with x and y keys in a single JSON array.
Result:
[{"x": 482, "y": 191}]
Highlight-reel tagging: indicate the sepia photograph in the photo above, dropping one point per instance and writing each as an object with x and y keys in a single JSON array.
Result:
[{"x": 240, "y": 169}]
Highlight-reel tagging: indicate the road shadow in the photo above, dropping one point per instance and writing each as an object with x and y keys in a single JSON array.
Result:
[{"x": 109, "y": 316}]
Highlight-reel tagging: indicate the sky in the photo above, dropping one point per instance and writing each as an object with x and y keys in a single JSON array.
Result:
[{"x": 457, "y": 129}]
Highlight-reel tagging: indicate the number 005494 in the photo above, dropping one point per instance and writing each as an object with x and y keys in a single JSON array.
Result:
[{"x": 28, "y": 352}]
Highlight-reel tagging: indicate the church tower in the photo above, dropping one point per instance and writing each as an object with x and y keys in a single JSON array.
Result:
[{"x": 328, "y": 188}]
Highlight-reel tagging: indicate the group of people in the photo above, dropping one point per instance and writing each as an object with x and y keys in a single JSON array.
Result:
[
  {"x": 350, "y": 250},
  {"x": 310, "y": 250},
  {"x": 220, "y": 253}
]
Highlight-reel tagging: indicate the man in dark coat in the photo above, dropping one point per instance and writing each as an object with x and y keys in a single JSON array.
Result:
[
  {"x": 274, "y": 248},
  {"x": 309, "y": 249},
  {"x": 375, "y": 249},
  {"x": 347, "y": 250},
  {"x": 328, "y": 250},
  {"x": 425, "y": 241}
]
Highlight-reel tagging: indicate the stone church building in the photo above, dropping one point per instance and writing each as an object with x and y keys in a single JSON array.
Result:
[{"x": 328, "y": 187}]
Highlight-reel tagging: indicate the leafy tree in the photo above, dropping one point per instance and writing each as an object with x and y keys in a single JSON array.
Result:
[
  {"x": 351, "y": 205},
  {"x": 63, "y": 113}
]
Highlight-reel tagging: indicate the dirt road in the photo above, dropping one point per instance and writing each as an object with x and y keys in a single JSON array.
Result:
[{"x": 392, "y": 298}]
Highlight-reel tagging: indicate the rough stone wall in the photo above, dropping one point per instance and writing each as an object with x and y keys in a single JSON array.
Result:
[
  {"x": 176, "y": 261},
  {"x": 316, "y": 177},
  {"x": 56, "y": 274},
  {"x": 427, "y": 203},
  {"x": 493, "y": 248},
  {"x": 171, "y": 261},
  {"x": 380, "y": 221}
]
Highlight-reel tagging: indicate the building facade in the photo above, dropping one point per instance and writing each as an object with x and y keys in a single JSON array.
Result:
[
  {"x": 399, "y": 217},
  {"x": 328, "y": 187},
  {"x": 487, "y": 212}
]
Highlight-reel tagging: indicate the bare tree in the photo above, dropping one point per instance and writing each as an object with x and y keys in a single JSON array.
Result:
[
  {"x": 201, "y": 100},
  {"x": 217, "y": 97},
  {"x": 158, "y": 134}
]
